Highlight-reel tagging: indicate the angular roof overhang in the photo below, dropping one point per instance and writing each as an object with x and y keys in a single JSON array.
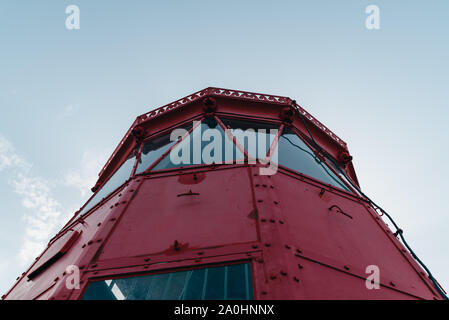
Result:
[{"x": 147, "y": 120}]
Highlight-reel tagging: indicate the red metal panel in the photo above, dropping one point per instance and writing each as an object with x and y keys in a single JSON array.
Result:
[
  {"x": 318, "y": 281},
  {"x": 196, "y": 215},
  {"x": 56, "y": 250},
  {"x": 339, "y": 232}
]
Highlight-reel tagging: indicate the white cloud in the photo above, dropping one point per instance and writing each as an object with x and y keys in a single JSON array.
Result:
[
  {"x": 68, "y": 111},
  {"x": 44, "y": 213},
  {"x": 8, "y": 156},
  {"x": 86, "y": 176}
]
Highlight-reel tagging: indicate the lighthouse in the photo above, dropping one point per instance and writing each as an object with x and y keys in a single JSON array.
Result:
[{"x": 226, "y": 194}]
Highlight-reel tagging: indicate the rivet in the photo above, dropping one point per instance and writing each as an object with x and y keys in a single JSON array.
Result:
[
  {"x": 147, "y": 259},
  {"x": 81, "y": 267},
  {"x": 96, "y": 272},
  {"x": 300, "y": 266},
  {"x": 263, "y": 220},
  {"x": 99, "y": 240},
  {"x": 113, "y": 219},
  {"x": 287, "y": 246},
  {"x": 200, "y": 253},
  {"x": 56, "y": 279},
  {"x": 295, "y": 279},
  {"x": 83, "y": 246},
  {"x": 281, "y": 222},
  {"x": 267, "y": 244},
  {"x": 256, "y": 185},
  {"x": 99, "y": 224},
  {"x": 145, "y": 267},
  {"x": 90, "y": 242},
  {"x": 264, "y": 185},
  {"x": 197, "y": 260},
  {"x": 392, "y": 283},
  {"x": 346, "y": 267},
  {"x": 283, "y": 273},
  {"x": 264, "y": 293},
  {"x": 298, "y": 251},
  {"x": 94, "y": 265},
  {"x": 255, "y": 246},
  {"x": 272, "y": 221},
  {"x": 273, "y": 277},
  {"x": 260, "y": 200},
  {"x": 275, "y": 202}
]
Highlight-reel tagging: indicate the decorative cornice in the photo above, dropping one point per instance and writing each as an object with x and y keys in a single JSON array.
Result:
[{"x": 226, "y": 93}]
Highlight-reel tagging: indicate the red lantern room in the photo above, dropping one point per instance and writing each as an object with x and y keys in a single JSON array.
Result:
[{"x": 227, "y": 194}]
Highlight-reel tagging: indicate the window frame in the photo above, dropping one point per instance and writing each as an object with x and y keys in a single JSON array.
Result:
[
  {"x": 313, "y": 149},
  {"x": 173, "y": 269}
]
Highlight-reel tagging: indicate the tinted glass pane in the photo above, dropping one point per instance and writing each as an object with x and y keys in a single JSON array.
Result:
[
  {"x": 236, "y": 276},
  {"x": 255, "y": 137},
  {"x": 342, "y": 176},
  {"x": 215, "y": 288},
  {"x": 99, "y": 291},
  {"x": 152, "y": 150},
  {"x": 205, "y": 145},
  {"x": 296, "y": 155},
  {"x": 228, "y": 282},
  {"x": 117, "y": 179},
  {"x": 194, "y": 287}
]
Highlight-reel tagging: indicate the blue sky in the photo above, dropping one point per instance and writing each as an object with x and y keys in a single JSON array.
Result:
[{"x": 68, "y": 96}]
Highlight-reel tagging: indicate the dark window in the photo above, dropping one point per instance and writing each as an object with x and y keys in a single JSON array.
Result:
[
  {"x": 117, "y": 179},
  {"x": 153, "y": 149},
  {"x": 206, "y": 144},
  {"x": 220, "y": 283},
  {"x": 255, "y": 137},
  {"x": 296, "y": 155}
]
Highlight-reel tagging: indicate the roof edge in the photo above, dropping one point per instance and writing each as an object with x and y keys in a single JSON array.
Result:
[{"x": 226, "y": 93}]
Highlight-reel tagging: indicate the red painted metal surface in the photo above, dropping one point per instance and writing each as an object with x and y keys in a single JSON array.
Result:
[{"x": 304, "y": 239}]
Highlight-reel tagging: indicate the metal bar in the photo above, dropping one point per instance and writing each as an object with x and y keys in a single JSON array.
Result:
[
  {"x": 155, "y": 163},
  {"x": 234, "y": 140},
  {"x": 167, "y": 286},
  {"x": 225, "y": 288},
  {"x": 203, "y": 293},
  {"x": 186, "y": 283},
  {"x": 246, "y": 281}
]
